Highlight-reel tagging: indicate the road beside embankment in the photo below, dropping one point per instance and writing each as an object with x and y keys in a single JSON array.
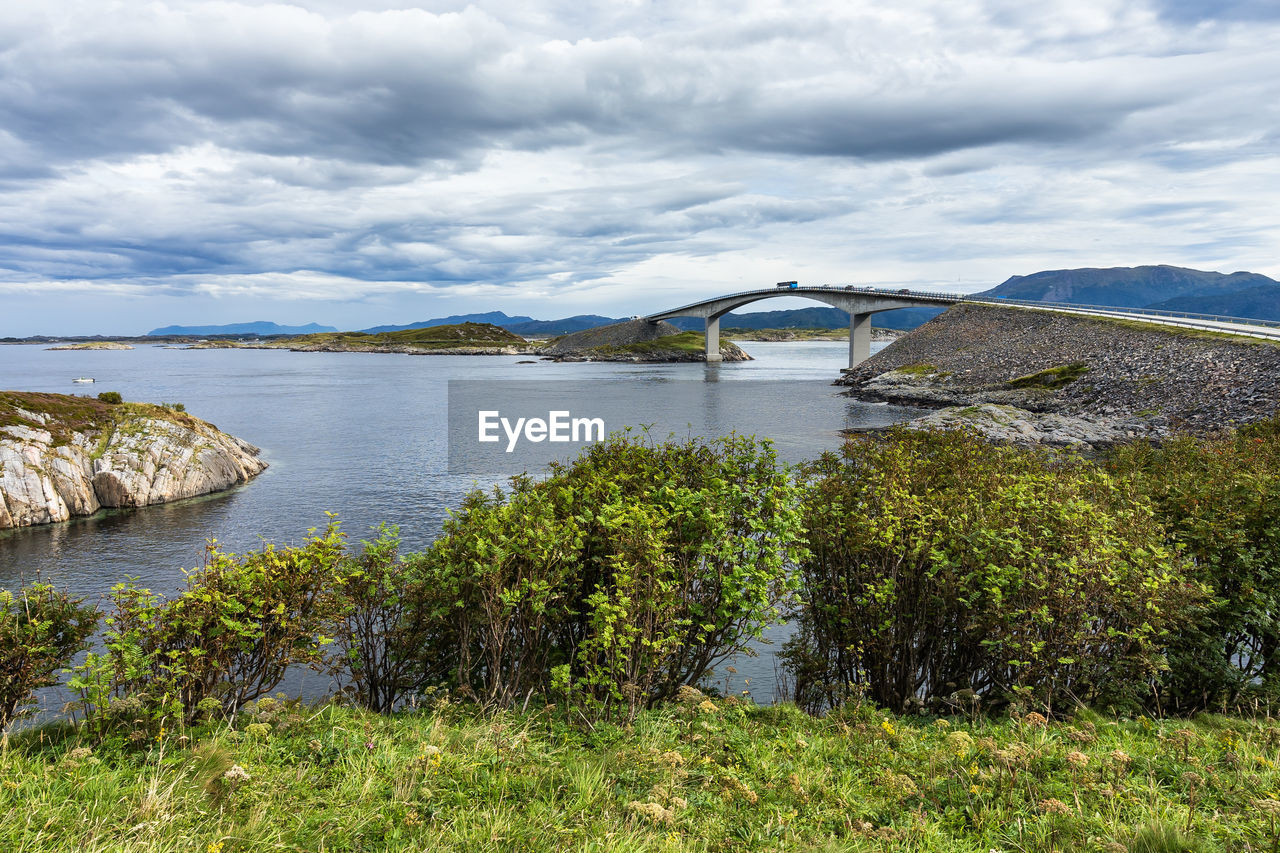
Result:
[{"x": 1042, "y": 377}]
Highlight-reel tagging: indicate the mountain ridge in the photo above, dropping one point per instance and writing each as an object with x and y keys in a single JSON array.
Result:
[
  {"x": 256, "y": 327},
  {"x": 1158, "y": 286}
]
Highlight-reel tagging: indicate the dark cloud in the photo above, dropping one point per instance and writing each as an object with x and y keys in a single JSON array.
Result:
[
  {"x": 444, "y": 86},
  {"x": 350, "y": 149}
]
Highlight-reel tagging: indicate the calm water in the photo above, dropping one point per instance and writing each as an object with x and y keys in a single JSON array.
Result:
[{"x": 362, "y": 435}]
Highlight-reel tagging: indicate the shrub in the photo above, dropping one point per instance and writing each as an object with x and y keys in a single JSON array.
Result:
[
  {"x": 230, "y": 635},
  {"x": 945, "y": 567},
  {"x": 41, "y": 629},
  {"x": 632, "y": 571},
  {"x": 1219, "y": 499},
  {"x": 388, "y": 627},
  {"x": 112, "y": 397}
]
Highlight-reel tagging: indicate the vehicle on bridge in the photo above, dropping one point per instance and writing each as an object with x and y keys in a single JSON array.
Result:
[{"x": 789, "y": 284}]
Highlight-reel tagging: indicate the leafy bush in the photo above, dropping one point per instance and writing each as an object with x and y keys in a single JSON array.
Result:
[
  {"x": 41, "y": 629},
  {"x": 621, "y": 576},
  {"x": 942, "y": 566},
  {"x": 388, "y": 627},
  {"x": 112, "y": 397},
  {"x": 1219, "y": 498},
  {"x": 227, "y": 639}
]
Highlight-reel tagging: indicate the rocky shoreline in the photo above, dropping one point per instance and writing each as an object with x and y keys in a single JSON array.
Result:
[
  {"x": 64, "y": 456},
  {"x": 1037, "y": 377},
  {"x": 92, "y": 345},
  {"x": 403, "y": 349}
]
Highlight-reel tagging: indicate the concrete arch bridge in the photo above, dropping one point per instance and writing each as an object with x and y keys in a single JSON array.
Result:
[
  {"x": 859, "y": 302},
  {"x": 862, "y": 302}
]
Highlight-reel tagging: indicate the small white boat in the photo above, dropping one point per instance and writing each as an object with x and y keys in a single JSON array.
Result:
[{"x": 82, "y": 379}]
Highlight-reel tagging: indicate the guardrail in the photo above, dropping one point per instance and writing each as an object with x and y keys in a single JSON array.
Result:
[{"x": 1117, "y": 309}]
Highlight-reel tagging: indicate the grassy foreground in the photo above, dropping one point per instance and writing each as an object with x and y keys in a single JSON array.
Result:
[{"x": 705, "y": 775}]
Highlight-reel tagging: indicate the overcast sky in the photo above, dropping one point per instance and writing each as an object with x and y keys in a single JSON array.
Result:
[{"x": 356, "y": 163}]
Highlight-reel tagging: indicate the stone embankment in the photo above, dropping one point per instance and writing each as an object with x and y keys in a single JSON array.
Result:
[
  {"x": 1041, "y": 377},
  {"x": 637, "y": 341},
  {"x": 63, "y": 456}
]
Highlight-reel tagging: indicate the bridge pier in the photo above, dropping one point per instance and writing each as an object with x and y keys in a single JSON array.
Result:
[
  {"x": 859, "y": 338},
  {"x": 713, "y": 338}
]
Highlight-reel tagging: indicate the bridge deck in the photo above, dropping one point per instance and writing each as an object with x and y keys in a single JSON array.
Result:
[{"x": 1245, "y": 326}]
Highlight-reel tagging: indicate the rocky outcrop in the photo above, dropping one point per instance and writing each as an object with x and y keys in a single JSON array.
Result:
[
  {"x": 1011, "y": 425},
  {"x": 637, "y": 341},
  {"x": 458, "y": 339},
  {"x": 403, "y": 349},
  {"x": 1102, "y": 380},
  {"x": 93, "y": 345},
  {"x": 62, "y": 457}
]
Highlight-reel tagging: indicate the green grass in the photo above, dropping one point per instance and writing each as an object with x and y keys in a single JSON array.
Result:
[
  {"x": 68, "y": 414},
  {"x": 431, "y": 337},
  {"x": 723, "y": 776},
  {"x": 1051, "y": 378},
  {"x": 922, "y": 368}
]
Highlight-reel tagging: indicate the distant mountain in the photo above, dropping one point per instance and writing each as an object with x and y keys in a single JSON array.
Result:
[
  {"x": 1260, "y": 303},
  {"x": 496, "y": 318},
  {"x": 261, "y": 327},
  {"x": 1240, "y": 294},
  {"x": 798, "y": 318}
]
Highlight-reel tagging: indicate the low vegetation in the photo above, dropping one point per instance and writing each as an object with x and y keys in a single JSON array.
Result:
[
  {"x": 1051, "y": 378},
  {"x": 427, "y": 338},
  {"x": 41, "y": 628},
  {"x": 1219, "y": 501},
  {"x": 990, "y": 645},
  {"x": 922, "y": 369},
  {"x": 705, "y": 775},
  {"x": 943, "y": 570},
  {"x": 65, "y": 415}
]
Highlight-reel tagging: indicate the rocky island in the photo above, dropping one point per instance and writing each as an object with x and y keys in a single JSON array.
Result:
[
  {"x": 1040, "y": 377},
  {"x": 457, "y": 339},
  {"x": 63, "y": 456},
  {"x": 637, "y": 341},
  {"x": 92, "y": 345}
]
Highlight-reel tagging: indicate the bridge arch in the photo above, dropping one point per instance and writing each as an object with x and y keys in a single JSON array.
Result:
[{"x": 859, "y": 302}]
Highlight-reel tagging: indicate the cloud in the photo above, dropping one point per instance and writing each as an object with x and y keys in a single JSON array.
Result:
[{"x": 346, "y": 151}]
